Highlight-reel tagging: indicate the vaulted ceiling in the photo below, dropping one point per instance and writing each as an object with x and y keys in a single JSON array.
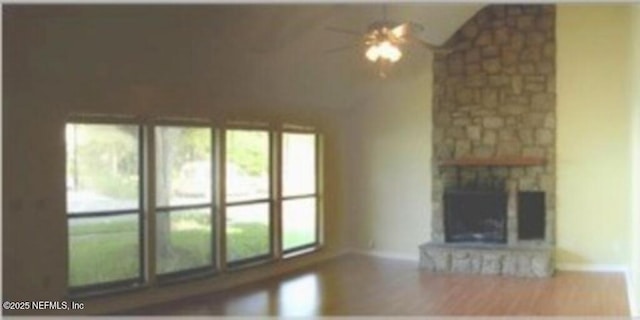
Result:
[{"x": 272, "y": 50}]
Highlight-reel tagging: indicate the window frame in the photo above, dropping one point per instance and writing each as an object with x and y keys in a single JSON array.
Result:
[
  {"x": 317, "y": 243},
  {"x": 269, "y": 200},
  {"x": 122, "y": 284},
  {"x": 213, "y": 267}
]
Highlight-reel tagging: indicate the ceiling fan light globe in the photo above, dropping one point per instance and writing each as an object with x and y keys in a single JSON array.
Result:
[
  {"x": 395, "y": 55},
  {"x": 373, "y": 53},
  {"x": 388, "y": 51},
  {"x": 385, "y": 45}
]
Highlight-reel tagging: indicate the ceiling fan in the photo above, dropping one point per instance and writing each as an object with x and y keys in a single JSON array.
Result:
[{"x": 383, "y": 41}]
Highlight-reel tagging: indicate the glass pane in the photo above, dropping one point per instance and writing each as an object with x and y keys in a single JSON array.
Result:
[
  {"x": 183, "y": 166},
  {"x": 247, "y": 173},
  {"x": 247, "y": 231},
  {"x": 298, "y": 222},
  {"x": 183, "y": 240},
  {"x": 102, "y": 167},
  {"x": 298, "y": 164},
  {"x": 103, "y": 249}
]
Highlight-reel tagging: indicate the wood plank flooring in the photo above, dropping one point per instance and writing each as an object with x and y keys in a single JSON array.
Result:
[{"x": 361, "y": 285}]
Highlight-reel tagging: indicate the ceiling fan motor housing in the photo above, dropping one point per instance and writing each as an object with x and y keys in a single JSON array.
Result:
[{"x": 381, "y": 31}]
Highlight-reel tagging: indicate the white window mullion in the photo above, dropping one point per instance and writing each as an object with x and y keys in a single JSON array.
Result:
[
  {"x": 319, "y": 149},
  {"x": 150, "y": 207},
  {"x": 276, "y": 178},
  {"x": 222, "y": 198}
]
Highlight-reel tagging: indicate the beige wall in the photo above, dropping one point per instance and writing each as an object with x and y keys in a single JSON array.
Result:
[
  {"x": 389, "y": 162},
  {"x": 635, "y": 196},
  {"x": 593, "y": 159},
  {"x": 89, "y": 63}
]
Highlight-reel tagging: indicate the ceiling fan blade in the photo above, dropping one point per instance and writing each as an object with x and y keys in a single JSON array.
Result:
[
  {"x": 345, "y": 31},
  {"x": 406, "y": 29},
  {"x": 432, "y": 47},
  {"x": 401, "y": 30},
  {"x": 341, "y": 48}
]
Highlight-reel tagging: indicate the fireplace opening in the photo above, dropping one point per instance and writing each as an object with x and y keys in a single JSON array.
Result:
[{"x": 475, "y": 216}]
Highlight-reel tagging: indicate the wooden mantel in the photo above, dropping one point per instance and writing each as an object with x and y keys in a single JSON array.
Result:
[{"x": 494, "y": 162}]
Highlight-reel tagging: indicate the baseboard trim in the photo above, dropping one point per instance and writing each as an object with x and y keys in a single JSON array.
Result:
[
  {"x": 387, "y": 255},
  {"x": 631, "y": 295},
  {"x": 591, "y": 267},
  {"x": 337, "y": 254}
]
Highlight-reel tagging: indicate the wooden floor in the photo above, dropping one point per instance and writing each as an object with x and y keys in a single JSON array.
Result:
[{"x": 360, "y": 285}]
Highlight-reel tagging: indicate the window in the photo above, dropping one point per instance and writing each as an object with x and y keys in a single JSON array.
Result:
[
  {"x": 247, "y": 199},
  {"x": 299, "y": 191},
  {"x": 184, "y": 199},
  {"x": 104, "y": 204},
  {"x": 268, "y": 198}
]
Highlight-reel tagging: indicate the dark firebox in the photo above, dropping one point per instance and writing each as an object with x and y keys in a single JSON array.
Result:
[{"x": 475, "y": 216}]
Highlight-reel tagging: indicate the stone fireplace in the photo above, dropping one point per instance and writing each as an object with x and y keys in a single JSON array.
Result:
[{"x": 493, "y": 197}]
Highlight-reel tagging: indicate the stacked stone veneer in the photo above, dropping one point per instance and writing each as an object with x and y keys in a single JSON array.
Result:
[{"x": 494, "y": 96}]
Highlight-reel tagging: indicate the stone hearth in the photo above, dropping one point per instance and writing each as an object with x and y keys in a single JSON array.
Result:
[{"x": 518, "y": 260}]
